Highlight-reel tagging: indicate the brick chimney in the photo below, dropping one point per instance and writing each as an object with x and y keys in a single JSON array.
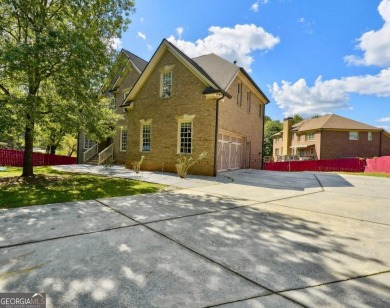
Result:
[{"x": 287, "y": 123}]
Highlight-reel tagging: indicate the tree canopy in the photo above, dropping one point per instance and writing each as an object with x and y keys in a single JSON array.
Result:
[{"x": 54, "y": 57}]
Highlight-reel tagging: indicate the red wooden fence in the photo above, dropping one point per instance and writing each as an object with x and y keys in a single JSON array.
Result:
[
  {"x": 345, "y": 164},
  {"x": 378, "y": 164},
  {"x": 15, "y": 158}
]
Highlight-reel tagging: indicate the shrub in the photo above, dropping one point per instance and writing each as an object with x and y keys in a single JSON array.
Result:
[
  {"x": 137, "y": 164},
  {"x": 184, "y": 163}
]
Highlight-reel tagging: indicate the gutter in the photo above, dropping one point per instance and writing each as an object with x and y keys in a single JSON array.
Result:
[{"x": 216, "y": 133}]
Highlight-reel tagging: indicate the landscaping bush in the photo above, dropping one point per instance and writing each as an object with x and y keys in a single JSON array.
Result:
[
  {"x": 137, "y": 164},
  {"x": 184, "y": 163}
]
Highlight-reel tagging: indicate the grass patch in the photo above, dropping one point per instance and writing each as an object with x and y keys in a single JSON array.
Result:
[
  {"x": 52, "y": 186},
  {"x": 375, "y": 174}
]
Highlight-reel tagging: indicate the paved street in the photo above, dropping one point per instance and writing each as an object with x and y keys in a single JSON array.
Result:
[{"x": 248, "y": 238}]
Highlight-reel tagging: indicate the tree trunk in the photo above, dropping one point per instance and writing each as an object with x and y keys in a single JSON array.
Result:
[
  {"x": 28, "y": 148},
  {"x": 53, "y": 149}
]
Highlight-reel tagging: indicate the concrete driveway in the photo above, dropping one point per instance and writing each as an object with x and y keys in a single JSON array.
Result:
[{"x": 256, "y": 239}]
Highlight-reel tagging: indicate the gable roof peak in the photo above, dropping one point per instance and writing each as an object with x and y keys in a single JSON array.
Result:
[{"x": 136, "y": 60}]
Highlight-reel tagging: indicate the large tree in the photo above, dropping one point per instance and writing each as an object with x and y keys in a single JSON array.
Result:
[
  {"x": 54, "y": 56},
  {"x": 271, "y": 127}
]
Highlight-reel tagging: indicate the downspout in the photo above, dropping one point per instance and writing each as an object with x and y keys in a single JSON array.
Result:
[
  {"x": 319, "y": 156},
  {"x": 262, "y": 154},
  {"x": 216, "y": 133}
]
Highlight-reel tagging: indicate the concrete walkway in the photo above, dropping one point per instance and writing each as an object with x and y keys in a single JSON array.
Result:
[
  {"x": 164, "y": 178},
  {"x": 246, "y": 239}
]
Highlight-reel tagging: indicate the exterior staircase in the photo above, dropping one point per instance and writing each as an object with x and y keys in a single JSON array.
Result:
[
  {"x": 94, "y": 160},
  {"x": 93, "y": 156}
]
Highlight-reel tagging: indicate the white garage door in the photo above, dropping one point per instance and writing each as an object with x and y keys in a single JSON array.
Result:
[{"x": 229, "y": 152}]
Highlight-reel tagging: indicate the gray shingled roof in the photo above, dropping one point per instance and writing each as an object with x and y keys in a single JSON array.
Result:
[
  {"x": 221, "y": 70},
  {"x": 140, "y": 63},
  {"x": 331, "y": 121}
]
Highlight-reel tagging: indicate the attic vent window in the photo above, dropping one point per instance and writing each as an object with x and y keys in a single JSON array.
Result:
[{"x": 166, "y": 84}]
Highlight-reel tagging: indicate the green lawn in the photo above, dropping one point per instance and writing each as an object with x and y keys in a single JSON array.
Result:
[
  {"x": 52, "y": 186},
  {"x": 376, "y": 174}
]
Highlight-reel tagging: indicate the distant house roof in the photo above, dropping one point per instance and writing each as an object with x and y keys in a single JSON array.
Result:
[
  {"x": 332, "y": 121},
  {"x": 137, "y": 61}
]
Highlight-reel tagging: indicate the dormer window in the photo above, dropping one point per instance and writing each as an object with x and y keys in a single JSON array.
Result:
[{"x": 166, "y": 81}]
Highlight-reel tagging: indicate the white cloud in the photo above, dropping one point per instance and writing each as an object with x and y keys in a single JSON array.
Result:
[
  {"x": 115, "y": 43},
  {"x": 301, "y": 20},
  {"x": 149, "y": 47},
  {"x": 329, "y": 95},
  {"x": 141, "y": 35},
  {"x": 141, "y": 19},
  {"x": 386, "y": 119},
  {"x": 375, "y": 44},
  {"x": 179, "y": 31},
  {"x": 255, "y": 6},
  {"x": 326, "y": 96},
  {"x": 233, "y": 44}
]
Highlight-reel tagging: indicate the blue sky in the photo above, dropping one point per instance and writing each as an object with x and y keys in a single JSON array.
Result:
[{"x": 309, "y": 57}]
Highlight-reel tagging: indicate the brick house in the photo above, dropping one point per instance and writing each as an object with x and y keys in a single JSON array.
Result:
[
  {"x": 114, "y": 147},
  {"x": 184, "y": 106},
  {"x": 330, "y": 137}
]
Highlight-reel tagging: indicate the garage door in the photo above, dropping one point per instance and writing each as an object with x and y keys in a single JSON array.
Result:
[{"x": 229, "y": 152}]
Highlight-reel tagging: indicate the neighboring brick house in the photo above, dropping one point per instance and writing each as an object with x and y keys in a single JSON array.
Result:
[
  {"x": 119, "y": 87},
  {"x": 186, "y": 106},
  {"x": 330, "y": 137}
]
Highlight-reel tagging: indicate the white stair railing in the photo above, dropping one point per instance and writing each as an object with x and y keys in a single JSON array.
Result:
[
  {"x": 90, "y": 152},
  {"x": 106, "y": 153}
]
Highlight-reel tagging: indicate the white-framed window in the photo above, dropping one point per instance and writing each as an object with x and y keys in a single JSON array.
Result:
[
  {"x": 353, "y": 135},
  {"x": 248, "y": 101},
  {"x": 277, "y": 139},
  {"x": 185, "y": 137},
  {"x": 369, "y": 136},
  {"x": 239, "y": 94},
  {"x": 88, "y": 143},
  {"x": 276, "y": 152},
  {"x": 146, "y": 137},
  {"x": 166, "y": 84},
  {"x": 309, "y": 136},
  {"x": 311, "y": 151},
  {"x": 299, "y": 137},
  {"x": 123, "y": 141}
]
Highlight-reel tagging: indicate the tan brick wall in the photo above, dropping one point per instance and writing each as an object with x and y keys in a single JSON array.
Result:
[
  {"x": 127, "y": 83},
  {"x": 305, "y": 151},
  {"x": 186, "y": 98},
  {"x": 237, "y": 119},
  {"x": 277, "y": 147},
  {"x": 336, "y": 144}
]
